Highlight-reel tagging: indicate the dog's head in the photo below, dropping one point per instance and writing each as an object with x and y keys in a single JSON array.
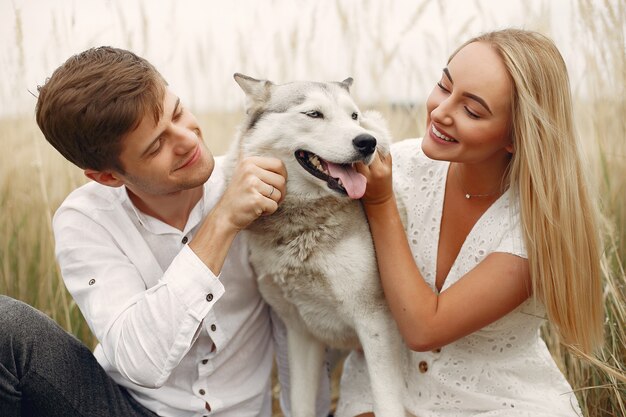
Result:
[{"x": 316, "y": 129}]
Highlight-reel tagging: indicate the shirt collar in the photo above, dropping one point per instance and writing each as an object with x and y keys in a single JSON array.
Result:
[
  {"x": 212, "y": 191},
  {"x": 151, "y": 224}
]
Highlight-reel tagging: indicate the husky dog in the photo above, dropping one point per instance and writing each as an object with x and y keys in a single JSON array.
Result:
[{"x": 314, "y": 256}]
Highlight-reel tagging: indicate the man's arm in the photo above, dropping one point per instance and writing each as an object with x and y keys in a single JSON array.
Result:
[
  {"x": 256, "y": 188},
  {"x": 145, "y": 320},
  {"x": 146, "y": 328}
]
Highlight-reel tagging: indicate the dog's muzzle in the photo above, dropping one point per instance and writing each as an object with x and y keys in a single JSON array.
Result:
[
  {"x": 365, "y": 144},
  {"x": 340, "y": 177}
]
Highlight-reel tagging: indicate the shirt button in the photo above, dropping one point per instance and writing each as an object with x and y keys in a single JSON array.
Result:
[
  {"x": 213, "y": 327},
  {"x": 202, "y": 392},
  {"x": 209, "y": 297},
  {"x": 205, "y": 361},
  {"x": 423, "y": 366},
  {"x": 185, "y": 240}
]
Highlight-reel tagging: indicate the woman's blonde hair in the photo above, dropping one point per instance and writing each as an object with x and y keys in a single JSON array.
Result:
[{"x": 559, "y": 217}]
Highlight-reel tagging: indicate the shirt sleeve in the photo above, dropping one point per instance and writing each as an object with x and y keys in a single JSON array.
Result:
[
  {"x": 513, "y": 240},
  {"x": 144, "y": 332}
]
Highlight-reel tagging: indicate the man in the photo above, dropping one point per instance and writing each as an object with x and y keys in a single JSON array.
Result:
[{"x": 151, "y": 252}]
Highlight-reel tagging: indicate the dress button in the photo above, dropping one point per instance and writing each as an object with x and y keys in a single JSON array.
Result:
[
  {"x": 185, "y": 240},
  {"x": 205, "y": 361},
  {"x": 213, "y": 327},
  {"x": 423, "y": 366},
  {"x": 209, "y": 297},
  {"x": 202, "y": 392}
]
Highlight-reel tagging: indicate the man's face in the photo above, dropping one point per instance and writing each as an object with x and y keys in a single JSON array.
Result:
[{"x": 168, "y": 157}]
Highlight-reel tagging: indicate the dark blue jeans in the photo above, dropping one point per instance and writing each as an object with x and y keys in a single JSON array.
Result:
[{"x": 45, "y": 371}]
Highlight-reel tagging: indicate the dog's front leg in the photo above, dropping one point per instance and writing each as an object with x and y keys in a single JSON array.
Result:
[
  {"x": 385, "y": 358},
  {"x": 306, "y": 358}
]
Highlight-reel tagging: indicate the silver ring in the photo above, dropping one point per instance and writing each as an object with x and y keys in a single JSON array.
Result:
[{"x": 271, "y": 192}]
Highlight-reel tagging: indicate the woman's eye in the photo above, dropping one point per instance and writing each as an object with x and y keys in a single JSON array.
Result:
[
  {"x": 442, "y": 87},
  {"x": 314, "y": 114},
  {"x": 355, "y": 116},
  {"x": 471, "y": 113}
]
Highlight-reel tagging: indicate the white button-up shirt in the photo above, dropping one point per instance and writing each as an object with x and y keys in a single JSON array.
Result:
[{"x": 183, "y": 341}]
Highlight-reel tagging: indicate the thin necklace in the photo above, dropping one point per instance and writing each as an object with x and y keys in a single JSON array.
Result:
[{"x": 468, "y": 195}]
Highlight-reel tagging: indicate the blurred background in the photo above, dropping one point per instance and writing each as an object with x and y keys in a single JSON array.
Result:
[{"x": 394, "y": 50}]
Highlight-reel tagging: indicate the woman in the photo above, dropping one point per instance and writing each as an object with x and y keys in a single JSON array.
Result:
[{"x": 501, "y": 234}]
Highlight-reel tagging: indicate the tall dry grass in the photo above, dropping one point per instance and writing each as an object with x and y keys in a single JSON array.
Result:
[
  {"x": 33, "y": 182},
  {"x": 600, "y": 382},
  {"x": 34, "y": 179}
]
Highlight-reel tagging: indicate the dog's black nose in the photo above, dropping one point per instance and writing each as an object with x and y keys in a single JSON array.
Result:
[{"x": 365, "y": 144}]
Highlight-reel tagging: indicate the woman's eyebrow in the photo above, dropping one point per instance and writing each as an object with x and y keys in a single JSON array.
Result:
[
  {"x": 479, "y": 100},
  {"x": 469, "y": 95}
]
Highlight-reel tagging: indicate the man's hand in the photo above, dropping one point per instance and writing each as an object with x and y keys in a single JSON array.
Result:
[{"x": 257, "y": 187}]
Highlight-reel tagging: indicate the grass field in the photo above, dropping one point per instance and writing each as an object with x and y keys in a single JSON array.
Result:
[{"x": 34, "y": 180}]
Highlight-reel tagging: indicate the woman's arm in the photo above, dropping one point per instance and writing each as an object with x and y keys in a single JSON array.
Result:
[{"x": 428, "y": 320}]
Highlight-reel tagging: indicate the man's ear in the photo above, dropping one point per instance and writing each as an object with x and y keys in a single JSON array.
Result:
[{"x": 108, "y": 178}]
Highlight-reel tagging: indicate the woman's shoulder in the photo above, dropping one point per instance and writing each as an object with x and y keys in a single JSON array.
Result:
[
  {"x": 405, "y": 145},
  {"x": 408, "y": 155}
]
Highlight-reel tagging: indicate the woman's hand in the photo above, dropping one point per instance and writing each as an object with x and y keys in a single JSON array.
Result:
[{"x": 379, "y": 179}]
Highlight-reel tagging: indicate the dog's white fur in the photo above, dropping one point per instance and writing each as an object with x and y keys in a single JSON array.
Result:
[{"x": 314, "y": 256}]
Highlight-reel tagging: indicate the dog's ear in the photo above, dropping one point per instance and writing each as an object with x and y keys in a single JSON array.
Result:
[
  {"x": 257, "y": 92},
  {"x": 346, "y": 84}
]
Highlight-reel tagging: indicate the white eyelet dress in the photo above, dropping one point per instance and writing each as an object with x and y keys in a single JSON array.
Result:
[{"x": 504, "y": 369}]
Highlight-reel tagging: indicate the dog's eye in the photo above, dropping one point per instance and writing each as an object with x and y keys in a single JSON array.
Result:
[
  {"x": 314, "y": 114},
  {"x": 355, "y": 116}
]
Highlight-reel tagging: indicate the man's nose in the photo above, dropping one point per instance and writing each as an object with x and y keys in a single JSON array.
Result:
[{"x": 185, "y": 139}]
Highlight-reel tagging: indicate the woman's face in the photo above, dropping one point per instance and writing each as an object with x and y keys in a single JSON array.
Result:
[{"x": 469, "y": 110}]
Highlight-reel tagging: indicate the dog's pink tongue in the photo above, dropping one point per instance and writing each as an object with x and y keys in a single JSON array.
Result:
[{"x": 352, "y": 181}]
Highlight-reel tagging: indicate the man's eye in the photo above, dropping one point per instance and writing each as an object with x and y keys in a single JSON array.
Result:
[
  {"x": 156, "y": 148},
  {"x": 314, "y": 114}
]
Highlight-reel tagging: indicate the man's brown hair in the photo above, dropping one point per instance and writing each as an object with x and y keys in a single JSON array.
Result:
[{"x": 93, "y": 100}]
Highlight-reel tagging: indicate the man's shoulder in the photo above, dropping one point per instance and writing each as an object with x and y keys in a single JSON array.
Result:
[
  {"x": 215, "y": 185},
  {"x": 92, "y": 197}
]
